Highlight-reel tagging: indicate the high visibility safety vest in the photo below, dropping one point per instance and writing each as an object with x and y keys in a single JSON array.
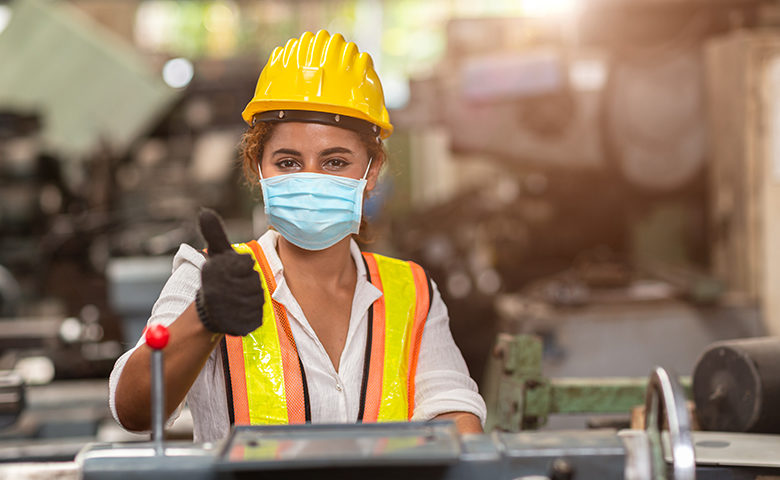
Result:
[{"x": 266, "y": 380}]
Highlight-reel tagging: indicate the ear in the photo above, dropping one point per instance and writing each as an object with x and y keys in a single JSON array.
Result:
[{"x": 373, "y": 172}]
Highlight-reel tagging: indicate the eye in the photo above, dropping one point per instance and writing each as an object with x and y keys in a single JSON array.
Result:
[
  {"x": 335, "y": 163},
  {"x": 287, "y": 163}
]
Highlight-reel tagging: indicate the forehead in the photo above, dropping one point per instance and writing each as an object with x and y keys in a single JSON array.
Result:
[{"x": 312, "y": 137}]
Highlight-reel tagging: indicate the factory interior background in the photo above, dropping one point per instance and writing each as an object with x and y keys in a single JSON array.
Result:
[{"x": 601, "y": 174}]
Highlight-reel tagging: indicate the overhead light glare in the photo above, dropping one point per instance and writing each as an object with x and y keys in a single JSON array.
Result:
[
  {"x": 5, "y": 17},
  {"x": 178, "y": 72},
  {"x": 588, "y": 74},
  {"x": 549, "y": 8},
  {"x": 220, "y": 17}
]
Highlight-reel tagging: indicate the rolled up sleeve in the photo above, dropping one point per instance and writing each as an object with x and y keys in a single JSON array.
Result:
[
  {"x": 177, "y": 294},
  {"x": 442, "y": 382}
]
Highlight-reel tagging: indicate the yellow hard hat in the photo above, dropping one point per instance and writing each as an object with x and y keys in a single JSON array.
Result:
[{"x": 320, "y": 78}]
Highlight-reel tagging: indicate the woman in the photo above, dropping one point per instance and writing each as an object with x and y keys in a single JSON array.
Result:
[{"x": 300, "y": 326}]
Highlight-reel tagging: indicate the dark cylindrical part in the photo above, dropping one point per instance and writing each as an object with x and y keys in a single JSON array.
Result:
[
  {"x": 736, "y": 386},
  {"x": 12, "y": 398}
]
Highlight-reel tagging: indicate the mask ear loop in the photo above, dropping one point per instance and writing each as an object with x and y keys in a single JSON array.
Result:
[
  {"x": 370, "y": 159},
  {"x": 260, "y": 172}
]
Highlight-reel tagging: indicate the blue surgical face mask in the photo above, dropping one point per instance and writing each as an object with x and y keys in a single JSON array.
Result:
[{"x": 313, "y": 210}]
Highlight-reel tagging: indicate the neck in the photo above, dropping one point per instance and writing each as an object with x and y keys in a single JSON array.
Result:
[{"x": 332, "y": 267}]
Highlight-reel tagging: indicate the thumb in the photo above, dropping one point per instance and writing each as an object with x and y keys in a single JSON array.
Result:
[{"x": 213, "y": 231}]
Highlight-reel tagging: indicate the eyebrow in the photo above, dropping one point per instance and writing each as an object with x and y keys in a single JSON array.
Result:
[
  {"x": 326, "y": 152},
  {"x": 287, "y": 151},
  {"x": 332, "y": 150}
]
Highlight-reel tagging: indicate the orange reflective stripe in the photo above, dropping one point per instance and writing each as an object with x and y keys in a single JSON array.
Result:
[
  {"x": 377, "y": 360},
  {"x": 420, "y": 316},
  {"x": 293, "y": 379},
  {"x": 235, "y": 351},
  {"x": 263, "y": 360}
]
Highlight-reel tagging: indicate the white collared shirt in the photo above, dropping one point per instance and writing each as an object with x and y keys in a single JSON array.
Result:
[{"x": 442, "y": 383}]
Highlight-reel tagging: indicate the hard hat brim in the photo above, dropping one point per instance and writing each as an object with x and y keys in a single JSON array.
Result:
[{"x": 260, "y": 106}]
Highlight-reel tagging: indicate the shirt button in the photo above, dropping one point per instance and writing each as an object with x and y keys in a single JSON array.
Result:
[{"x": 338, "y": 387}]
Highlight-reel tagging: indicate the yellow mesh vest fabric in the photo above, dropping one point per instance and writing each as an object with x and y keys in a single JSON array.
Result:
[
  {"x": 263, "y": 363},
  {"x": 400, "y": 300}
]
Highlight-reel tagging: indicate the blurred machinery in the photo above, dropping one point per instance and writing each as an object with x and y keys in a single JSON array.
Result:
[
  {"x": 734, "y": 387},
  {"x": 742, "y": 76},
  {"x": 519, "y": 397},
  {"x": 65, "y": 128},
  {"x": 93, "y": 203},
  {"x": 64, "y": 124},
  {"x": 560, "y": 151},
  {"x": 33, "y": 198},
  {"x": 134, "y": 160},
  {"x": 12, "y": 399},
  {"x": 32, "y": 191},
  {"x": 89, "y": 87}
]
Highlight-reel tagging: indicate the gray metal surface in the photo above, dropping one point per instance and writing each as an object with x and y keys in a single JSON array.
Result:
[
  {"x": 40, "y": 471},
  {"x": 624, "y": 339},
  {"x": 590, "y": 454},
  {"x": 134, "y": 283},
  {"x": 58, "y": 420},
  {"x": 390, "y": 450},
  {"x": 311, "y": 446},
  {"x": 181, "y": 461},
  {"x": 42, "y": 450},
  {"x": 639, "y": 462},
  {"x": 584, "y": 442},
  {"x": 158, "y": 402},
  {"x": 411, "y": 451},
  {"x": 737, "y": 449}
]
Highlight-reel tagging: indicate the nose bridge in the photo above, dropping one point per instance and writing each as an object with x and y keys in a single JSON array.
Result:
[{"x": 311, "y": 163}]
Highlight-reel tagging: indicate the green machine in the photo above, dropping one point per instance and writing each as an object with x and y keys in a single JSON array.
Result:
[{"x": 519, "y": 397}]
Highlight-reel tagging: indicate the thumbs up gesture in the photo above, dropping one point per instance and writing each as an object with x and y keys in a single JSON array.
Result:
[{"x": 230, "y": 299}]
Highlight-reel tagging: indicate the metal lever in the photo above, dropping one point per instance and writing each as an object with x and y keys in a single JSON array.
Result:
[
  {"x": 665, "y": 400},
  {"x": 157, "y": 337}
]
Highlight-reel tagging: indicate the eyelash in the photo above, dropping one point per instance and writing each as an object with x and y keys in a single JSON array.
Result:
[
  {"x": 340, "y": 162},
  {"x": 287, "y": 163}
]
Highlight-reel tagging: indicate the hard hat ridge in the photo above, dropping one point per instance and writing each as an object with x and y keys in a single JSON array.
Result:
[{"x": 317, "y": 47}]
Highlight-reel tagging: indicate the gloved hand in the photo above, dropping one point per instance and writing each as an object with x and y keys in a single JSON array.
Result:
[{"x": 230, "y": 299}]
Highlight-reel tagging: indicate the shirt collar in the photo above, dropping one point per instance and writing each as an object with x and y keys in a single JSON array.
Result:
[
  {"x": 365, "y": 292},
  {"x": 270, "y": 239}
]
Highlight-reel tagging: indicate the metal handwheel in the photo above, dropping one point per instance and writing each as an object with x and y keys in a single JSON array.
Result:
[{"x": 665, "y": 401}]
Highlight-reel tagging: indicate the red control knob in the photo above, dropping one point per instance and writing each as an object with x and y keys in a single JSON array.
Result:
[{"x": 157, "y": 336}]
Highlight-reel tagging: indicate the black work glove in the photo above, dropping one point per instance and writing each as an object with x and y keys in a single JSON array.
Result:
[{"x": 230, "y": 299}]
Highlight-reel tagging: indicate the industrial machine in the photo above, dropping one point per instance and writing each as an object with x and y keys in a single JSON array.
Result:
[
  {"x": 665, "y": 448},
  {"x": 519, "y": 397}
]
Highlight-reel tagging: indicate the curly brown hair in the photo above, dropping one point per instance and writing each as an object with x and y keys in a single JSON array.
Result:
[{"x": 251, "y": 152}]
